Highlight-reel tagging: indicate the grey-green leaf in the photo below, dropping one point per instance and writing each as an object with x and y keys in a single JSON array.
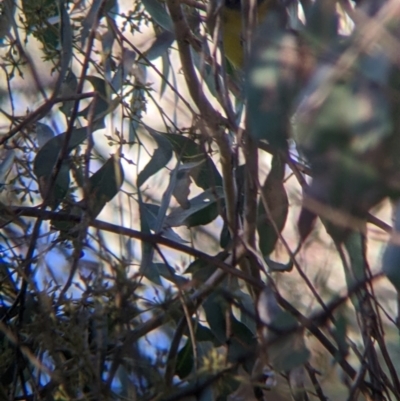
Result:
[
  {"x": 162, "y": 155},
  {"x": 159, "y": 14},
  {"x": 205, "y": 175},
  {"x": 160, "y": 46},
  {"x": 104, "y": 184},
  {"x": 272, "y": 82},
  {"x": 203, "y": 209},
  {"x": 272, "y": 221}
]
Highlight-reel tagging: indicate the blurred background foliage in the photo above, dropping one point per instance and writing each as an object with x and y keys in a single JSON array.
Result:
[{"x": 199, "y": 200}]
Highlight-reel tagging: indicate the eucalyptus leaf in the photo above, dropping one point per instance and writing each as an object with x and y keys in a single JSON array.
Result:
[
  {"x": 123, "y": 69},
  {"x": 214, "y": 308},
  {"x": 169, "y": 274},
  {"x": 160, "y": 46},
  {"x": 162, "y": 155},
  {"x": 101, "y": 105},
  {"x": 6, "y": 164},
  {"x": 43, "y": 134},
  {"x": 149, "y": 213},
  {"x": 272, "y": 82},
  {"x": 184, "y": 363},
  {"x": 68, "y": 88},
  {"x": 159, "y": 14},
  {"x": 242, "y": 344},
  {"x": 46, "y": 160},
  {"x": 166, "y": 67},
  {"x": 277, "y": 266},
  {"x": 90, "y": 20},
  {"x": 104, "y": 184},
  {"x": 206, "y": 174},
  {"x": 203, "y": 209},
  {"x": 272, "y": 221}
]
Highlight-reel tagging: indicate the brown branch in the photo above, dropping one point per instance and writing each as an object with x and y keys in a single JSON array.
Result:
[{"x": 154, "y": 239}]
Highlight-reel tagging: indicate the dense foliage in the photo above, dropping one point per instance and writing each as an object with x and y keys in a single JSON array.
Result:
[{"x": 181, "y": 222}]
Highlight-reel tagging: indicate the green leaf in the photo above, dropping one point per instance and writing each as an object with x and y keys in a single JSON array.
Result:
[
  {"x": 104, "y": 184},
  {"x": 205, "y": 175},
  {"x": 151, "y": 273},
  {"x": 166, "y": 67},
  {"x": 162, "y": 155},
  {"x": 203, "y": 209},
  {"x": 181, "y": 188},
  {"x": 43, "y": 134},
  {"x": 287, "y": 356},
  {"x": 200, "y": 270},
  {"x": 346, "y": 133},
  {"x": 101, "y": 103},
  {"x": 203, "y": 333},
  {"x": 277, "y": 266},
  {"x": 6, "y": 165},
  {"x": 148, "y": 214},
  {"x": 46, "y": 159},
  {"x": 160, "y": 46},
  {"x": 91, "y": 19},
  {"x": 68, "y": 88},
  {"x": 242, "y": 345},
  {"x": 38, "y": 15},
  {"x": 184, "y": 363},
  {"x": 247, "y": 316},
  {"x": 339, "y": 333},
  {"x": 322, "y": 25},
  {"x": 123, "y": 70},
  {"x": 6, "y": 18},
  {"x": 276, "y": 198},
  {"x": 205, "y": 71},
  {"x": 169, "y": 274},
  {"x": 214, "y": 308},
  {"x": 272, "y": 82},
  {"x": 159, "y": 14}
]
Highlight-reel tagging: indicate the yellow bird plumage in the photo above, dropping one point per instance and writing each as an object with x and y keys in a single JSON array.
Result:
[{"x": 232, "y": 35}]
